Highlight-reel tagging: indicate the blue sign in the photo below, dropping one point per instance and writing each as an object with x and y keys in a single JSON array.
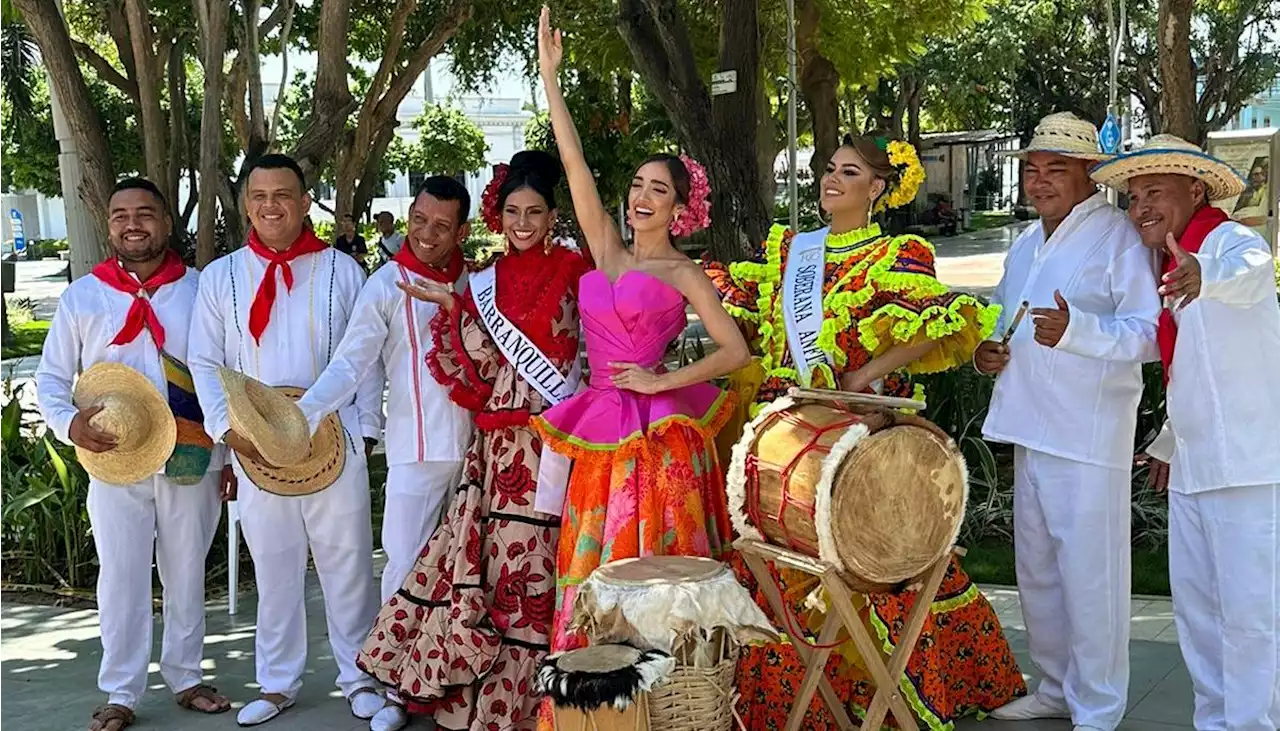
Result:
[
  {"x": 1109, "y": 135},
  {"x": 19, "y": 235}
]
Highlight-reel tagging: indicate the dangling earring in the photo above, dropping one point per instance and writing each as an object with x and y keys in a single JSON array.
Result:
[{"x": 546, "y": 244}]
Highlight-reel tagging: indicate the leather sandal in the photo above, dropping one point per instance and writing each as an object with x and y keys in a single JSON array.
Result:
[
  {"x": 112, "y": 717},
  {"x": 187, "y": 699}
]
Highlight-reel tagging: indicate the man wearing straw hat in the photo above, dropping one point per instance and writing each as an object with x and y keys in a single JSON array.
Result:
[
  {"x": 1219, "y": 453},
  {"x": 275, "y": 311},
  {"x": 1066, "y": 396},
  {"x": 154, "y": 474}
]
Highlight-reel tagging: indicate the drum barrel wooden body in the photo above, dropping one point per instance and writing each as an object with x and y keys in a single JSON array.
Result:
[{"x": 877, "y": 494}]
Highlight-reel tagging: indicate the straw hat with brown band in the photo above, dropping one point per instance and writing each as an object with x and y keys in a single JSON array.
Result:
[
  {"x": 1065, "y": 134},
  {"x": 1171, "y": 155},
  {"x": 135, "y": 413},
  {"x": 268, "y": 417}
]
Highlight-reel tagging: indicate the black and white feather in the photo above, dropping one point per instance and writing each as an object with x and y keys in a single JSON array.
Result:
[{"x": 602, "y": 675}]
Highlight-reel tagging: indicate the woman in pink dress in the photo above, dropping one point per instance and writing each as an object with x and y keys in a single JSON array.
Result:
[{"x": 645, "y": 479}]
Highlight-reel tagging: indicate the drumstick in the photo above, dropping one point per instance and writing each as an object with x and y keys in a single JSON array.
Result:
[
  {"x": 1017, "y": 318},
  {"x": 867, "y": 399}
]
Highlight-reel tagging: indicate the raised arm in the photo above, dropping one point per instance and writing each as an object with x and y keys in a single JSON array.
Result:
[{"x": 603, "y": 239}]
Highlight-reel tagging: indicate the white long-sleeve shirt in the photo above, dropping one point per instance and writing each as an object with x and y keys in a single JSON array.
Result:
[
  {"x": 1223, "y": 399},
  {"x": 89, "y": 316},
  {"x": 1078, "y": 400},
  {"x": 393, "y": 329},
  {"x": 301, "y": 337}
]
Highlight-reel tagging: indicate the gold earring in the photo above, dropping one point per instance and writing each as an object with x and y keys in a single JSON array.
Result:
[{"x": 547, "y": 244}]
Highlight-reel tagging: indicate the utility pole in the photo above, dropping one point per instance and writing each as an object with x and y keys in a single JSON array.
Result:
[
  {"x": 1111, "y": 136},
  {"x": 85, "y": 249},
  {"x": 793, "y": 187}
]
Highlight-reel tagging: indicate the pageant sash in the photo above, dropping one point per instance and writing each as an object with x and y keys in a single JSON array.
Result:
[
  {"x": 538, "y": 371},
  {"x": 802, "y": 301}
]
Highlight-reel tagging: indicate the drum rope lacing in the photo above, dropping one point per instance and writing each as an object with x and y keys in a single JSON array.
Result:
[{"x": 752, "y": 487}]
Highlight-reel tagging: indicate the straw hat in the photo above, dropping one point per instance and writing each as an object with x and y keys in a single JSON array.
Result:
[
  {"x": 1065, "y": 134},
  {"x": 277, "y": 428},
  {"x": 135, "y": 413},
  {"x": 1170, "y": 155},
  {"x": 326, "y": 456}
]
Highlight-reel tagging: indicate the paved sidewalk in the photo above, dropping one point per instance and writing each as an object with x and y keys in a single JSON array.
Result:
[{"x": 50, "y": 662}]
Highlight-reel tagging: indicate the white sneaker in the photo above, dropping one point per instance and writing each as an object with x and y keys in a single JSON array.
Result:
[
  {"x": 392, "y": 717},
  {"x": 1028, "y": 708},
  {"x": 261, "y": 711},
  {"x": 365, "y": 702}
]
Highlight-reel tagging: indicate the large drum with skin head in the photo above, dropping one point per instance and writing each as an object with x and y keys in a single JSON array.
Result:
[{"x": 876, "y": 493}]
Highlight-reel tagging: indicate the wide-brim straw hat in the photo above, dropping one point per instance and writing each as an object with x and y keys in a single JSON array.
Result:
[
  {"x": 326, "y": 456},
  {"x": 1063, "y": 134},
  {"x": 135, "y": 413},
  {"x": 1171, "y": 155}
]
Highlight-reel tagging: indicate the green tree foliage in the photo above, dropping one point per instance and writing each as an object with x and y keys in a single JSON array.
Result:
[{"x": 448, "y": 143}]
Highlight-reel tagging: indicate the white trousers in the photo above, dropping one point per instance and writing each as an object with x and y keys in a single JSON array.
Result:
[
  {"x": 1072, "y": 546},
  {"x": 132, "y": 524},
  {"x": 416, "y": 494},
  {"x": 335, "y": 525},
  {"x": 1224, "y": 547}
]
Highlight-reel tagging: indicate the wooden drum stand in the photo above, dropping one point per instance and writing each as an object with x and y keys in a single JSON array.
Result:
[{"x": 842, "y": 614}]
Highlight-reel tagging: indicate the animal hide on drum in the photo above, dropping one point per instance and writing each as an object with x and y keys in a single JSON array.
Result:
[{"x": 602, "y": 675}]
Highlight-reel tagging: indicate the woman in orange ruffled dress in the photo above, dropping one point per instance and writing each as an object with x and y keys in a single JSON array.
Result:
[
  {"x": 883, "y": 316},
  {"x": 645, "y": 478}
]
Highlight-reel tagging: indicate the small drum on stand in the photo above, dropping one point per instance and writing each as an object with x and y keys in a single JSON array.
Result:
[
  {"x": 892, "y": 486},
  {"x": 691, "y": 608},
  {"x": 602, "y": 687}
]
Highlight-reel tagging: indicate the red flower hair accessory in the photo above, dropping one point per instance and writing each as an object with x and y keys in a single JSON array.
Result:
[
  {"x": 697, "y": 212},
  {"x": 489, "y": 199}
]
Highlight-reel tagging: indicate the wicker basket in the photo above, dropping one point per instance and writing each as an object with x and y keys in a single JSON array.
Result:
[{"x": 695, "y": 698}]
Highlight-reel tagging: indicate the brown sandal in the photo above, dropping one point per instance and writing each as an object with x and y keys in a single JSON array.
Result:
[
  {"x": 187, "y": 698},
  {"x": 112, "y": 713}
]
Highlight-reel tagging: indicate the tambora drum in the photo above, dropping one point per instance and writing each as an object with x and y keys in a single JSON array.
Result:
[
  {"x": 875, "y": 493},
  {"x": 602, "y": 687}
]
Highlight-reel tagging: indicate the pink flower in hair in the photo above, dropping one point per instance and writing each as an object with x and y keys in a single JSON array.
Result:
[{"x": 697, "y": 212}]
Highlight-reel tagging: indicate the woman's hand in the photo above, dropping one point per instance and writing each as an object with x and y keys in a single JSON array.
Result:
[
  {"x": 550, "y": 45},
  {"x": 631, "y": 377},
  {"x": 427, "y": 291},
  {"x": 854, "y": 382}
]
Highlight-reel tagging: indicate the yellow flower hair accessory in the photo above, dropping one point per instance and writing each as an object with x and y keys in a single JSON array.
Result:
[{"x": 910, "y": 176}]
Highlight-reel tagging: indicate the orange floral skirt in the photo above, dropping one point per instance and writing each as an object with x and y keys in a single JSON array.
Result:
[{"x": 962, "y": 663}]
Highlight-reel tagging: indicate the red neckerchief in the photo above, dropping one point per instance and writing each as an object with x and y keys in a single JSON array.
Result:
[
  {"x": 406, "y": 258},
  {"x": 141, "y": 314},
  {"x": 260, "y": 310},
  {"x": 1202, "y": 222}
]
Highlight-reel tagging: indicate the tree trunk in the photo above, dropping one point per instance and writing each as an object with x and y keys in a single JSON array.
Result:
[
  {"x": 720, "y": 132},
  {"x": 97, "y": 175},
  {"x": 213, "y": 16},
  {"x": 1177, "y": 71},
  {"x": 332, "y": 102},
  {"x": 819, "y": 85},
  {"x": 148, "y": 75},
  {"x": 913, "y": 113},
  {"x": 179, "y": 147},
  {"x": 370, "y": 178}
]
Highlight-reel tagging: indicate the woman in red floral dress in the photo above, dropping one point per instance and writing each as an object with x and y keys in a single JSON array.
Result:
[{"x": 463, "y": 637}]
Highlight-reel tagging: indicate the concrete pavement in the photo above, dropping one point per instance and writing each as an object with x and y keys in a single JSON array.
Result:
[{"x": 50, "y": 658}]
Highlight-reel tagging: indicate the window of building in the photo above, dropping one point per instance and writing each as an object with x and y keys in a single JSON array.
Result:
[{"x": 1266, "y": 121}]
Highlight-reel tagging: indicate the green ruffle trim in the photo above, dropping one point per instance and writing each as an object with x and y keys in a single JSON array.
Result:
[{"x": 937, "y": 322}]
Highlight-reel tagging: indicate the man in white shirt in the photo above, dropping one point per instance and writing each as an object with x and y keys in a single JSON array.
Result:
[
  {"x": 1220, "y": 450},
  {"x": 426, "y": 433},
  {"x": 276, "y": 310},
  {"x": 391, "y": 241},
  {"x": 134, "y": 309},
  {"x": 1066, "y": 396}
]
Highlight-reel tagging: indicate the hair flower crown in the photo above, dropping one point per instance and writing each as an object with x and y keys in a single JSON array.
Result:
[
  {"x": 910, "y": 174},
  {"x": 696, "y": 215},
  {"x": 489, "y": 199}
]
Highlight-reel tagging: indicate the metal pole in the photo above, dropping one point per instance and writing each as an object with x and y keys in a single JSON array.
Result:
[
  {"x": 793, "y": 187},
  {"x": 85, "y": 249}
]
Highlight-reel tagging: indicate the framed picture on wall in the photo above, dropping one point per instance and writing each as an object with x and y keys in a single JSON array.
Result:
[{"x": 1255, "y": 154}]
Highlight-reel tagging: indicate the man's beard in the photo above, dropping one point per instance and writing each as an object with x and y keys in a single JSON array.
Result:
[{"x": 151, "y": 253}]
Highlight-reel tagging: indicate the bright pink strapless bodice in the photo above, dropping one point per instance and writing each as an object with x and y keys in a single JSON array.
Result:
[{"x": 632, "y": 320}]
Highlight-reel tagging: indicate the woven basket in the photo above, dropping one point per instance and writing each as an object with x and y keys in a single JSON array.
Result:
[{"x": 695, "y": 698}]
